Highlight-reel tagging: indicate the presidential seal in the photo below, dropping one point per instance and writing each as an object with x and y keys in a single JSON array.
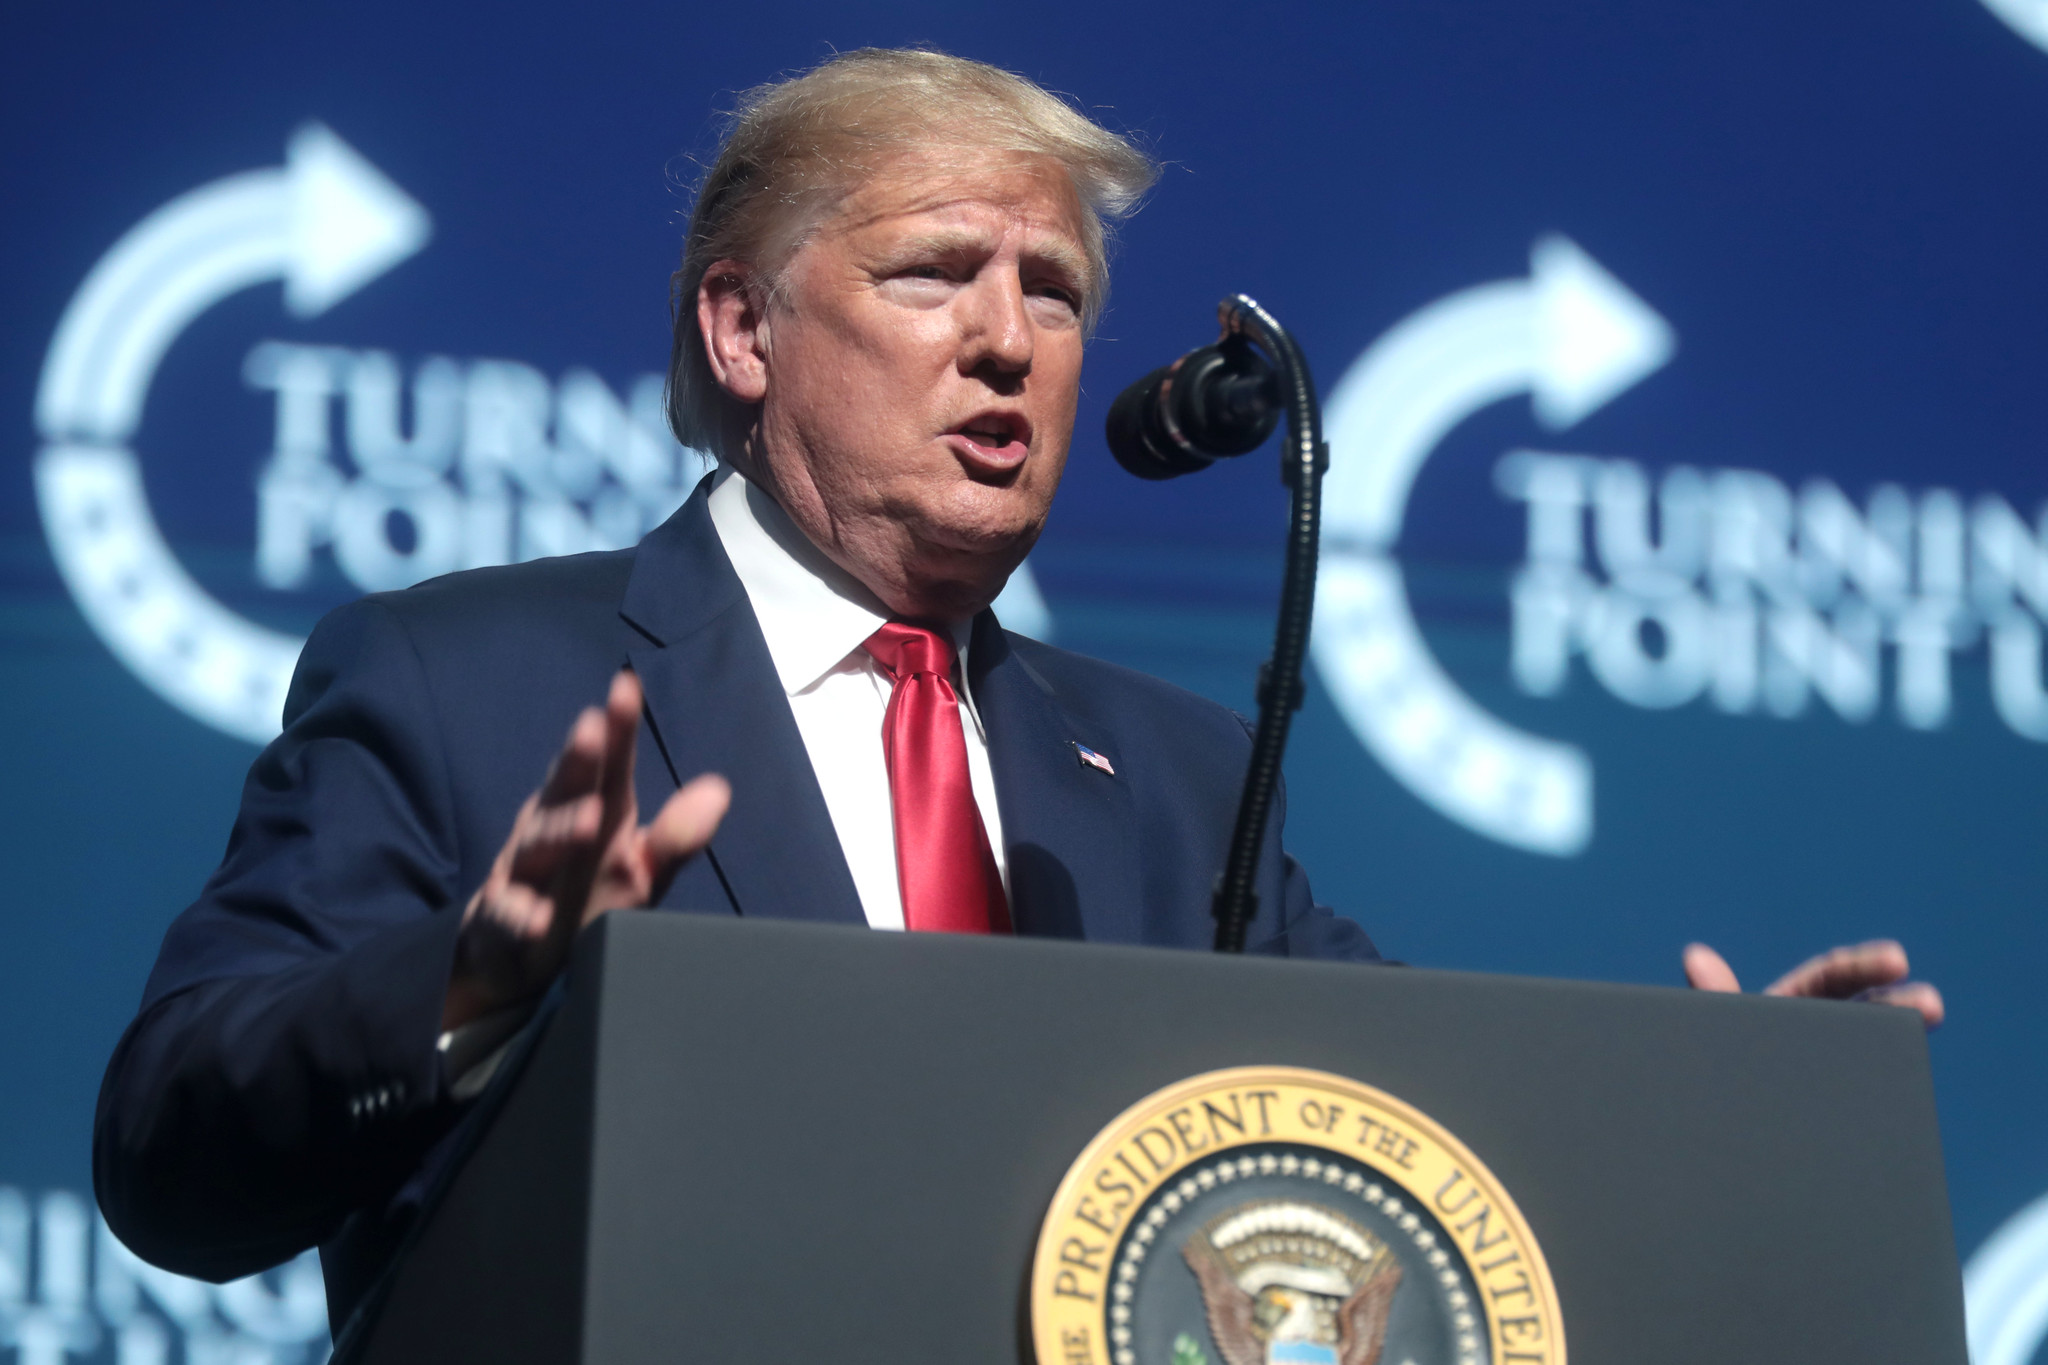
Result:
[{"x": 1276, "y": 1216}]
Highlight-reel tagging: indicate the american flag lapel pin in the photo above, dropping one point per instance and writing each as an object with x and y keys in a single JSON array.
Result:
[{"x": 1090, "y": 759}]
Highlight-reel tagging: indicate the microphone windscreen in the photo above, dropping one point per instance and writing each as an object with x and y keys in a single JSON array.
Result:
[{"x": 1137, "y": 433}]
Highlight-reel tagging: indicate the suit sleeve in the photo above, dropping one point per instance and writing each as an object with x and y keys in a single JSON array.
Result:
[
  {"x": 1314, "y": 931},
  {"x": 282, "y": 1069}
]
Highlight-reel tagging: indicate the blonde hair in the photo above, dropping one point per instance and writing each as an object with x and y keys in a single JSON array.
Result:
[{"x": 795, "y": 147}]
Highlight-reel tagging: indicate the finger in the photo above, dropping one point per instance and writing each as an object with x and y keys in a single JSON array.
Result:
[
  {"x": 527, "y": 810},
  {"x": 682, "y": 827},
  {"x": 1707, "y": 970},
  {"x": 515, "y": 913},
  {"x": 1844, "y": 972},
  {"x": 528, "y": 914},
  {"x": 580, "y": 764},
  {"x": 622, "y": 730},
  {"x": 1913, "y": 995},
  {"x": 553, "y": 836}
]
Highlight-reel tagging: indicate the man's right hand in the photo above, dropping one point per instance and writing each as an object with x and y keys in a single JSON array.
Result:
[{"x": 576, "y": 850}]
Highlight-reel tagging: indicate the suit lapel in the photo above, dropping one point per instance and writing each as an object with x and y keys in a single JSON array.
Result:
[
  {"x": 714, "y": 704},
  {"x": 1068, "y": 829}
]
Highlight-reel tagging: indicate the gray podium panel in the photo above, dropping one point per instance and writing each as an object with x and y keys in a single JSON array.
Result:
[{"x": 767, "y": 1142}]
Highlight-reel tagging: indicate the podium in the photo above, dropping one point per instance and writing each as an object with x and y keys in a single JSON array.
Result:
[{"x": 752, "y": 1143}]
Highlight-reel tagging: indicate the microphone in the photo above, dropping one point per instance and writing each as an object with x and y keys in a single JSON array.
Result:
[
  {"x": 1225, "y": 400},
  {"x": 1213, "y": 402}
]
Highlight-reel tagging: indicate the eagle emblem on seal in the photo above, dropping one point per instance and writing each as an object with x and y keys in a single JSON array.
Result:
[{"x": 1290, "y": 1283}]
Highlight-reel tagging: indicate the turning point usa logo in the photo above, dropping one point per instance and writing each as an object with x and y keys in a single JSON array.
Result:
[
  {"x": 1725, "y": 587},
  {"x": 497, "y": 462}
]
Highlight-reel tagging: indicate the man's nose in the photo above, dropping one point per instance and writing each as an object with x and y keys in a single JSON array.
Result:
[{"x": 998, "y": 326}]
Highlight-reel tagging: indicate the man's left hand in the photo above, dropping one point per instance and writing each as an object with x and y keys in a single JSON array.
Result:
[{"x": 1873, "y": 971}]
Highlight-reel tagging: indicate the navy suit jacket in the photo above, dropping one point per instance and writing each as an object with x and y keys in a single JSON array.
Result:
[{"x": 280, "y": 1086}]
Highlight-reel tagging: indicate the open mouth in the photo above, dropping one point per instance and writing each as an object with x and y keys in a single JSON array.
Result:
[{"x": 998, "y": 437}]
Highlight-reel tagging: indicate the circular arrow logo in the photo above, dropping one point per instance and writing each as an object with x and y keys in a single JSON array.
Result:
[
  {"x": 1571, "y": 336},
  {"x": 325, "y": 223}
]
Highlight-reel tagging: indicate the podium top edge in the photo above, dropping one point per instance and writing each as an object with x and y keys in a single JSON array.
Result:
[{"x": 654, "y": 927}]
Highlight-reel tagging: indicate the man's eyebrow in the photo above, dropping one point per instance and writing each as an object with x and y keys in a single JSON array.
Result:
[
  {"x": 1053, "y": 250},
  {"x": 942, "y": 242},
  {"x": 1064, "y": 257}
]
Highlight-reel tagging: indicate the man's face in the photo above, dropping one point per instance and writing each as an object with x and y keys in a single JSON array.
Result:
[{"x": 920, "y": 373}]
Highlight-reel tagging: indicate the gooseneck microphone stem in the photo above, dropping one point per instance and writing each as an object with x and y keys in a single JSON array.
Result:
[{"x": 1303, "y": 460}]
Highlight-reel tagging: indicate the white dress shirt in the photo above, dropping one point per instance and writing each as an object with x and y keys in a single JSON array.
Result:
[{"x": 815, "y": 617}]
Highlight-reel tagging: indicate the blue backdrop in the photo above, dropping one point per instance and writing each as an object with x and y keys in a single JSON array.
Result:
[{"x": 1687, "y": 568}]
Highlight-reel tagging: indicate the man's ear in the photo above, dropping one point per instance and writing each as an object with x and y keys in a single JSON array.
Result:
[{"x": 735, "y": 330}]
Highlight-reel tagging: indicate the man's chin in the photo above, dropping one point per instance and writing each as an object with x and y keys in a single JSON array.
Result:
[
  {"x": 976, "y": 548},
  {"x": 958, "y": 571},
  {"x": 979, "y": 527}
]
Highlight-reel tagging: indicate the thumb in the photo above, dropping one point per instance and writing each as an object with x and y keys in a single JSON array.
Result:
[
  {"x": 1707, "y": 970},
  {"x": 683, "y": 826}
]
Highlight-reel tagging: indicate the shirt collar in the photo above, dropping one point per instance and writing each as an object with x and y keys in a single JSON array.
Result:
[{"x": 813, "y": 613}]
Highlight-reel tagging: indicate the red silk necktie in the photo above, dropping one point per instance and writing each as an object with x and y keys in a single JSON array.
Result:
[{"x": 943, "y": 863}]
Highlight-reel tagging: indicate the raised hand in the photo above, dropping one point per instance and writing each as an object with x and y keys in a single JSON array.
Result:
[
  {"x": 577, "y": 849},
  {"x": 1874, "y": 971}
]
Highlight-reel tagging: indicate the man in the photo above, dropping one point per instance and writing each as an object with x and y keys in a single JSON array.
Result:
[{"x": 885, "y": 292}]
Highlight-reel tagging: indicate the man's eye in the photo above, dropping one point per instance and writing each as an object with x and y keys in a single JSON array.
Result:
[{"x": 926, "y": 272}]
